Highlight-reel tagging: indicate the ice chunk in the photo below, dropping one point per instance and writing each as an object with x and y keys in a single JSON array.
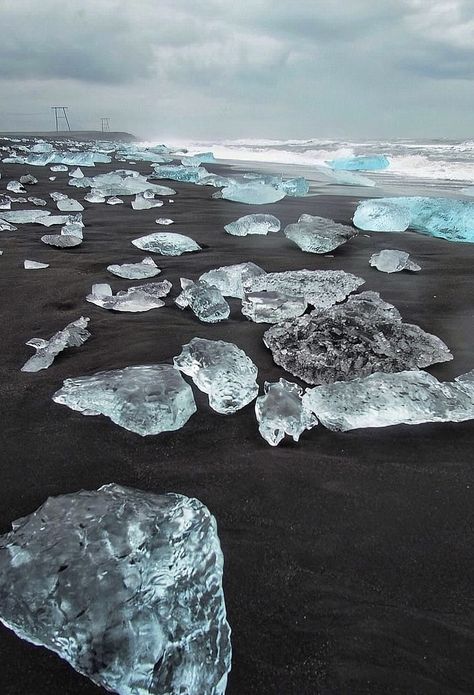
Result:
[
  {"x": 28, "y": 179},
  {"x": 392, "y": 261},
  {"x": 42, "y": 146},
  {"x": 34, "y": 265},
  {"x": 298, "y": 187},
  {"x": 95, "y": 196},
  {"x": 343, "y": 178},
  {"x": 206, "y": 301},
  {"x": 139, "y": 298},
  {"x": 221, "y": 370},
  {"x": 188, "y": 174},
  {"x": 164, "y": 220},
  {"x": 121, "y": 182},
  {"x": 124, "y": 585},
  {"x": 15, "y": 187},
  {"x": 318, "y": 234},
  {"x": 253, "y": 224},
  {"x": 62, "y": 241},
  {"x": 37, "y": 201},
  {"x": 56, "y": 195},
  {"x": 48, "y": 220},
  {"x": 24, "y": 216},
  {"x": 361, "y": 336},
  {"x": 5, "y": 202},
  {"x": 281, "y": 411},
  {"x": 7, "y": 227},
  {"x": 146, "y": 268},
  {"x": 58, "y": 167},
  {"x": 166, "y": 243},
  {"x": 374, "y": 162},
  {"x": 77, "y": 173},
  {"x": 229, "y": 278},
  {"x": 73, "y": 229},
  {"x": 143, "y": 202},
  {"x": 114, "y": 200},
  {"x": 215, "y": 180},
  {"x": 74, "y": 335},
  {"x": 272, "y": 307},
  {"x": 252, "y": 193},
  {"x": 321, "y": 288},
  {"x": 144, "y": 399},
  {"x": 381, "y": 400},
  {"x": 381, "y": 215},
  {"x": 69, "y": 205},
  {"x": 197, "y": 159}
]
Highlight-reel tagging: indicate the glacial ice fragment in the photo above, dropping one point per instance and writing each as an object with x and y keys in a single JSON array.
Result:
[
  {"x": 135, "y": 299},
  {"x": 222, "y": 370},
  {"x": 114, "y": 200},
  {"x": 381, "y": 400},
  {"x": 34, "y": 265},
  {"x": 23, "y": 216},
  {"x": 381, "y": 215},
  {"x": 186, "y": 174},
  {"x": 374, "y": 162},
  {"x": 5, "y": 202},
  {"x": 197, "y": 159},
  {"x": 37, "y": 201},
  {"x": 206, "y": 301},
  {"x": 56, "y": 195},
  {"x": 28, "y": 179},
  {"x": 7, "y": 227},
  {"x": 146, "y": 268},
  {"x": 121, "y": 182},
  {"x": 73, "y": 335},
  {"x": 253, "y": 224},
  {"x": 361, "y": 336},
  {"x": 229, "y": 279},
  {"x": 77, "y": 173},
  {"x": 272, "y": 307},
  {"x": 298, "y": 187},
  {"x": 15, "y": 187},
  {"x": 58, "y": 167},
  {"x": 142, "y": 202},
  {"x": 318, "y": 234},
  {"x": 62, "y": 241},
  {"x": 166, "y": 243},
  {"x": 164, "y": 220},
  {"x": 321, "y": 288},
  {"x": 252, "y": 193},
  {"x": 392, "y": 261},
  {"x": 281, "y": 411},
  {"x": 48, "y": 220},
  {"x": 95, "y": 196},
  {"x": 69, "y": 205}
]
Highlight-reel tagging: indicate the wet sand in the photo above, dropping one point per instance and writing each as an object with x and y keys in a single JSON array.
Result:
[{"x": 348, "y": 557}]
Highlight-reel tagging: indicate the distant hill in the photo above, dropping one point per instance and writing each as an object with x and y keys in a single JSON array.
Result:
[{"x": 74, "y": 135}]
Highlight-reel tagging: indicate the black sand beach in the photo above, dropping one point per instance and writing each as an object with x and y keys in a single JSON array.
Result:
[{"x": 348, "y": 557}]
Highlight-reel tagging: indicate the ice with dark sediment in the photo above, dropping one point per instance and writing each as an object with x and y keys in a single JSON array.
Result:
[
  {"x": 222, "y": 370},
  {"x": 146, "y": 399},
  {"x": 69, "y": 205},
  {"x": 272, "y": 307},
  {"x": 375, "y": 162},
  {"x": 23, "y": 216},
  {"x": 350, "y": 340},
  {"x": 135, "y": 299},
  {"x": 206, "y": 301},
  {"x": 125, "y": 585},
  {"x": 178, "y": 172},
  {"x": 252, "y": 193},
  {"x": 229, "y": 279},
  {"x": 393, "y": 261},
  {"x": 316, "y": 234},
  {"x": 166, "y": 243},
  {"x": 28, "y": 179},
  {"x": 253, "y": 224},
  {"x": 73, "y": 335},
  {"x": 321, "y": 288},
  {"x": 34, "y": 265},
  {"x": 380, "y": 400},
  {"x": 280, "y": 411},
  {"x": 146, "y": 268}
]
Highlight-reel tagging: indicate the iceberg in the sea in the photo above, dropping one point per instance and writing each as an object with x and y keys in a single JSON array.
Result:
[
  {"x": 34, "y": 265},
  {"x": 318, "y": 234},
  {"x": 145, "y": 399},
  {"x": 125, "y": 585},
  {"x": 135, "y": 299},
  {"x": 229, "y": 279},
  {"x": 166, "y": 243},
  {"x": 321, "y": 288},
  {"x": 392, "y": 261},
  {"x": 253, "y": 224},
  {"x": 280, "y": 411},
  {"x": 73, "y": 335},
  {"x": 272, "y": 307},
  {"x": 381, "y": 400},
  {"x": 206, "y": 301},
  {"x": 354, "y": 339},
  {"x": 222, "y": 370},
  {"x": 146, "y": 268},
  {"x": 446, "y": 218},
  {"x": 373, "y": 162},
  {"x": 252, "y": 193}
]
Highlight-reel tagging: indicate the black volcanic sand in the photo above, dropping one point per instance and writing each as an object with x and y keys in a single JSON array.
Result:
[{"x": 348, "y": 557}]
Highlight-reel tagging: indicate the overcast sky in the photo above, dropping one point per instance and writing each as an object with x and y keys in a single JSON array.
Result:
[{"x": 214, "y": 69}]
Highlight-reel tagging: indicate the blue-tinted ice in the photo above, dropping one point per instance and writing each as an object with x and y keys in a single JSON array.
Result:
[
  {"x": 361, "y": 163},
  {"x": 253, "y": 224},
  {"x": 206, "y": 301}
]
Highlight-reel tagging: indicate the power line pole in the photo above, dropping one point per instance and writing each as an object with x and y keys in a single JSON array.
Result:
[
  {"x": 60, "y": 114},
  {"x": 105, "y": 124}
]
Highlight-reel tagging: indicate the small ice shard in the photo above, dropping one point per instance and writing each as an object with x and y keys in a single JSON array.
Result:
[
  {"x": 7, "y": 227},
  {"x": 28, "y": 179},
  {"x": 321, "y": 288},
  {"x": 125, "y": 585},
  {"x": 361, "y": 336},
  {"x": 222, "y": 370},
  {"x": 252, "y": 193},
  {"x": 58, "y": 167},
  {"x": 206, "y": 301},
  {"x": 77, "y": 173},
  {"x": 62, "y": 241},
  {"x": 24, "y": 216},
  {"x": 298, "y": 187},
  {"x": 374, "y": 162},
  {"x": 272, "y": 307},
  {"x": 135, "y": 299},
  {"x": 253, "y": 224},
  {"x": 145, "y": 399},
  {"x": 52, "y": 178},
  {"x": 166, "y": 243},
  {"x": 145, "y": 202},
  {"x": 73, "y": 229},
  {"x": 94, "y": 196},
  {"x": 15, "y": 187},
  {"x": 164, "y": 220},
  {"x": 146, "y": 268},
  {"x": 281, "y": 411},
  {"x": 74, "y": 335},
  {"x": 69, "y": 205},
  {"x": 37, "y": 201},
  {"x": 392, "y": 261},
  {"x": 229, "y": 279},
  {"x": 381, "y": 215},
  {"x": 34, "y": 265},
  {"x": 56, "y": 195},
  {"x": 318, "y": 234},
  {"x": 5, "y": 202},
  {"x": 171, "y": 200},
  {"x": 381, "y": 400},
  {"x": 114, "y": 200}
]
